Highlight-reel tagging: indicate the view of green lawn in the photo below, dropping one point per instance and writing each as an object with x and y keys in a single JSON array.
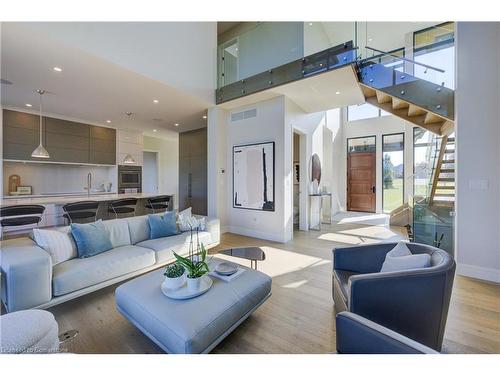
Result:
[{"x": 393, "y": 197}]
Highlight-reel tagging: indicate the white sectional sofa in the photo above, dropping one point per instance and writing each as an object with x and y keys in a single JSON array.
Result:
[{"x": 29, "y": 280}]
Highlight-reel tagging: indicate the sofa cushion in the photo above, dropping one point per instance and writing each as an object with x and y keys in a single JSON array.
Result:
[
  {"x": 138, "y": 227},
  {"x": 118, "y": 232},
  {"x": 91, "y": 239},
  {"x": 163, "y": 226},
  {"x": 59, "y": 243},
  {"x": 164, "y": 246},
  {"x": 80, "y": 273}
]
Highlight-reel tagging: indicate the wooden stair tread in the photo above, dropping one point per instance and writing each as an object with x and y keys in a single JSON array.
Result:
[
  {"x": 446, "y": 179},
  {"x": 447, "y": 170}
]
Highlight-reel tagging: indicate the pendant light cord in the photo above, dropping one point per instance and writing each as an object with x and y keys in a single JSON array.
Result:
[{"x": 41, "y": 121}]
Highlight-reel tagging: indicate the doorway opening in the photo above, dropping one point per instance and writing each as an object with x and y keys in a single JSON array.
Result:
[
  {"x": 361, "y": 174},
  {"x": 150, "y": 173}
]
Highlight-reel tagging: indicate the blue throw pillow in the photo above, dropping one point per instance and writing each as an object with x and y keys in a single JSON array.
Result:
[
  {"x": 163, "y": 226},
  {"x": 91, "y": 239}
]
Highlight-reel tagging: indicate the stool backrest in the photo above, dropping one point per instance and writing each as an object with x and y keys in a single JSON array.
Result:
[
  {"x": 84, "y": 209},
  {"x": 21, "y": 215}
]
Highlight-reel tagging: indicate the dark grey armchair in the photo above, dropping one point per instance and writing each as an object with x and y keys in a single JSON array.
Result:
[
  {"x": 357, "y": 335},
  {"x": 413, "y": 303}
]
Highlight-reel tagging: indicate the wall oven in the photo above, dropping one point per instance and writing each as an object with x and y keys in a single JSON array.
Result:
[{"x": 129, "y": 179}]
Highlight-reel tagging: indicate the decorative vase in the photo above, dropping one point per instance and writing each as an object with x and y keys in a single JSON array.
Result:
[
  {"x": 175, "y": 282},
  {"x": 194, "y": 284}
]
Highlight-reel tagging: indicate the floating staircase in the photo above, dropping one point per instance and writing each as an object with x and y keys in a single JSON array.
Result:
[
  {"x": 443, "y": 181},
  {"x": 386, "y": 85}
]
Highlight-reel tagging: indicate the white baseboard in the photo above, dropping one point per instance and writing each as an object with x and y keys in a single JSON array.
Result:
[
  {"x": 257, "y": 234},
  {"x": 477, "y": 272}
]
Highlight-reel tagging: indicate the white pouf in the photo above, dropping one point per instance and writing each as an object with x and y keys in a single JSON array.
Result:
[{"x": 28, "y": 331}]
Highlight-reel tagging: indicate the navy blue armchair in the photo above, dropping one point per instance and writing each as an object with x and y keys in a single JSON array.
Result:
[
  {"x": 357, "y": 335},
  {"x": 413, "y": 303}
]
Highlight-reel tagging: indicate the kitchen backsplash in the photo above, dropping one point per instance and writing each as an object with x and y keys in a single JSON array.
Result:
[{"x": 54, "y": 178}]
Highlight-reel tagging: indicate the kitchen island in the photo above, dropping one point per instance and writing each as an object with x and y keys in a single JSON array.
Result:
[{"x": 53, "y": 215}]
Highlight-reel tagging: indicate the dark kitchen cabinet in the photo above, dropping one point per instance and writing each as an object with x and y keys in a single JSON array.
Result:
[
  {"x": 102, "y": 145},
  {"x": 193, "y": 171},
  {"x": 66, "y": 141}
]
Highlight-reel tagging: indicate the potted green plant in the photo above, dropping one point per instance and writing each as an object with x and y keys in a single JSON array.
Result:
[
  {"x": 175, "y": 276},
  {"x": 195, "y": 266}
]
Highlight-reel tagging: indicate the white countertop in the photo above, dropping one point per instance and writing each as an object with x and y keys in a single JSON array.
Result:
[{"x": 65, "y": 198}]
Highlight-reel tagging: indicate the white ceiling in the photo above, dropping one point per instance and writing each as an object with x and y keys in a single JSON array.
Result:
[
  {"x": 92, "y": 88},
  {"x": 313, "y": 94}
]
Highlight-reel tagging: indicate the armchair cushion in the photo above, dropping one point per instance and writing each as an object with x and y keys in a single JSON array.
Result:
[{"x": 400, "y": 258}]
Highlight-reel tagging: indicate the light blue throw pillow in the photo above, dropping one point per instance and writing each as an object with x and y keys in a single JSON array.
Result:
[
  {"x": 163, "y": 226},
  {"x": 91, "y": 239}
]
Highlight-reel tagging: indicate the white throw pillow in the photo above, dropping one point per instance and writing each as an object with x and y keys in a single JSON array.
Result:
[
  {"x": 184, "y": 220},
  {"x": 400, "y": 258},
  {"x": 59, "y": 243},
  {"x": 118, "y": 232}
]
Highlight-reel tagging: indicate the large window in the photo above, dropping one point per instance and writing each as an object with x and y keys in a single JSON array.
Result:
[
  {"x": 393, "y": 171},
  {"x": 435, "y": 46}
]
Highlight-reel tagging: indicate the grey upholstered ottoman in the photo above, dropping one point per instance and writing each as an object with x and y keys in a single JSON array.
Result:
[{"x": 195, "y": 325}]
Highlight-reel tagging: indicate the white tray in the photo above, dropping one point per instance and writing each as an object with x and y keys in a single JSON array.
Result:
[{"x": 184, "y": 293}]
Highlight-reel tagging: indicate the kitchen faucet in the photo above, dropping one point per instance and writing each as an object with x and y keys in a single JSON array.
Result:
[{"x": 89, "y": 183}]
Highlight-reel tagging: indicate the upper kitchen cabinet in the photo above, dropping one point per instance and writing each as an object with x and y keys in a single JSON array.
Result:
[
  {"x": 67, "y": 141},
  {"x": 102, "y": 145},
  {"x": 20, "y": 135}
]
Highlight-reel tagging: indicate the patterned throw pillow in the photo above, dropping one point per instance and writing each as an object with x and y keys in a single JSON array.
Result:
[{"x": 58, "y": 243}]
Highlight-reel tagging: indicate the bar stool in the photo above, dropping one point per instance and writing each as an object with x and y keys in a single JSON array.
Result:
[
  {"x": 84, "y": 211},
  {"x": 15, "y": 216},
  {"x": 123, "y": 206},
  {"x": 160, "y": 203}
]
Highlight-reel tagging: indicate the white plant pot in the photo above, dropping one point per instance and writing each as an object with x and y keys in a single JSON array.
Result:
[
  {"x": 194, "y": 284},
  {"x": 175, "y": 282}
]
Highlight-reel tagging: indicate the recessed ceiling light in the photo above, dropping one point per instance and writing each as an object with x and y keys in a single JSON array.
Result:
[
  {"x": 370, "y": 39},
  {"x": 205, "y": 117},
  {"x": 176, "y": 124},
  {"x": 108, "y": 121},
  {"x": 28, "y": 105},
  {"x": 154, "y": 130},
  {"x": 57, "y": 69},
  {"x": 156, "y": 101},
  {"x": 310, "y": 23},
  {"x": 337, "y": 92}
]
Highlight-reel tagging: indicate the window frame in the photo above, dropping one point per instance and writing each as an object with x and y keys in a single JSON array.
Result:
[{"x": 404, "y": 169}]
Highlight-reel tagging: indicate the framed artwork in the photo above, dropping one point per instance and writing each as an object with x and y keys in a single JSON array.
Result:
[{"x": 253, "y": 176}]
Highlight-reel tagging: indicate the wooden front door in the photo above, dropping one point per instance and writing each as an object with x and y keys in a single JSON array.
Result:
[{"x": 361, "y": 180}]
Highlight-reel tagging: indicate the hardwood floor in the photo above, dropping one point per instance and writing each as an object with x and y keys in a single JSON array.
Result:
[{"x": 299, "y": 317}]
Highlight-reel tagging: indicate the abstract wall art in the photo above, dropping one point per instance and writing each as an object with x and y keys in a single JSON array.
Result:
[{"x": 253, "y": 176}]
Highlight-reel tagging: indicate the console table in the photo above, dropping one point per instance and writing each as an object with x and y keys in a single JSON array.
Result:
[{"x": 320, "y": 196}]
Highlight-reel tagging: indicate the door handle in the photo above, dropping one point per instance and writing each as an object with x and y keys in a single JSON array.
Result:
[{"x": 373, "y": 189}]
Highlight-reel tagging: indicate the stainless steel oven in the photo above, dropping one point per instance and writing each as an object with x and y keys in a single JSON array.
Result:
[{"x": 129, "y": 178}]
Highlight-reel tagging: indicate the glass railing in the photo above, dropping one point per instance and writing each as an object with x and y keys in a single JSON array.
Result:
[
  {"x": 317, "y": 63},
  {"x": 432, "y": 223},
  {"x": 393, "y": 74},
  {"x": 250, "y": 51}
]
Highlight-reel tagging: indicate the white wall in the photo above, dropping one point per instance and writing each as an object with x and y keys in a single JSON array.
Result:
[
  {"x": 168, "y": 149},
  {"x": 150, "y": 169},
  {"x": 477, "y": 103},
  {"x": 217, "y": 165},
  {"x": 269, "y": 125},
  {"x": 311, "y": 126},
  {"x": 337, "y": 184},
  {"x": 377, "y": 126}
]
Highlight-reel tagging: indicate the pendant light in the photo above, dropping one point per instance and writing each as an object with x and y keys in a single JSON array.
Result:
[
  {"x": 40, "y": 151},
  {"x": 128, "y": 159}
]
